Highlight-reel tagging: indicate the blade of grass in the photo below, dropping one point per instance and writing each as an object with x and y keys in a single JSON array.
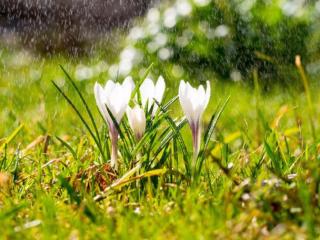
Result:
[
  {"x": 207, "y": 136},
  {"x": 12, "y": 136},
  {"x": 84, "y": 102},
  {"x": 147, "y": 136},
  {"x": 81, "y": 118},
  {"x": 119, "y": 184},
  {"x": 64, "y": 143},
  {"x": 169, "y": 103},
  {"x": 179, "y": 138},
  {"x": 169, "y": 136}
]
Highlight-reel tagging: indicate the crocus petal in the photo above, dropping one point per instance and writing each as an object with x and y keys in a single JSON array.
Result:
[
  {"x": 159, "y": 89},
  {"x": 137, "y": 120},
  {"x": 150, "y": 92},
  {"x": 128, "y": 83},
  {"x": 184, "y": 100},
  {"x": 147, "y": 91},
  {"x": 115, "y": 96},
  {"x": 116, "y": 103},
  {"x": 193, "y": 101},
  {"x": 109, "y": 87},
  {"x": 208, "y": 93},
  {"x": 158, "y": 93},
  {"x": 101, "y": 101},
  {"x": 119, "y": 98}
]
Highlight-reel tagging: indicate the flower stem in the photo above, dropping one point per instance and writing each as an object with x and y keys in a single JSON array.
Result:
[
  {"x": 195, "y": 128},
  {"x": 114, "y": 148}
]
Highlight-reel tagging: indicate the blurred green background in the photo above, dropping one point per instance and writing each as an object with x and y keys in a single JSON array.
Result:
[
  {"x": 195, "y": 40},
  {"x": 226, "y": 40}
]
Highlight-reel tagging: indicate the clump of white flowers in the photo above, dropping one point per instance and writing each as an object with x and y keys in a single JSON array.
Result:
[{"x": 114, "y": 98}]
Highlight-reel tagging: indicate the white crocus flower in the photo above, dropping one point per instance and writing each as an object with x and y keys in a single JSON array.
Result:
[
  {"x": 150, "y": 91},
  {"x": 137, "y": 120},
  {"x": 193, "y": 102},
  {"x": 116, "y": 97}
]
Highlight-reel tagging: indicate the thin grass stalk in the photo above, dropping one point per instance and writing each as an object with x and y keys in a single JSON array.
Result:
[
  {"x": 196, "y": 140},
  {"x": 81, "y": 118},
  {"x": 257, "y": 93},
  {"x": 84, "y": 103},
  {"x": 308, "y": 94},
  {"x": 207, "y": 136}
]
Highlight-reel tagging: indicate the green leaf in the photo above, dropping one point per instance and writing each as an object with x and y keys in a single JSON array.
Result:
[
  {"x": 12, "y": 136},
  {"x": 71, "y": 192},
  {"x": 207, "y": 136},
  {"x": 177, "y": 134},
  {"x": 64, "y": 143},
  {"x": 81, "y": 118},
  {"x": 83, "y": 101}
]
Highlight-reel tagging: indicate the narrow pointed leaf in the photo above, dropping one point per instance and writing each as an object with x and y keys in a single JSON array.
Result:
[
  {"x": 81, "y": 118},
  {"x": 83, "y": 101}
]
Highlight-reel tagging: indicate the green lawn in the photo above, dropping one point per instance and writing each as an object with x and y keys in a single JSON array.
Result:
[{"x": 260, "y": 177}]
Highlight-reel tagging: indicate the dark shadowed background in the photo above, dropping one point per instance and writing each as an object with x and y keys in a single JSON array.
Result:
[{"x": 54, "y": 25}]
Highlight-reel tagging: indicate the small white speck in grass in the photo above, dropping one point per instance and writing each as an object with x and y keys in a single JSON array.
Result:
[
  {"x": 28, "y": 225},
  {"x": 111, "y": 210},
  {"x": 279, "y": 229},
  {"x": 246, "y": 197},
  {"x": 230, "y": 165},
  {"x": 245, "y": 182},
  {"x": 295, "y": 210},
  {"x": 309, "y": 180},
  {"x": 137, "y": 211},
  {"x": 297, "y": 152},
  {"x": 254, "y": 222},
  {"x": 265, "y": 231},
  {"x": 292, "y": 176},
  {"x": 169, "y": 206}
]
